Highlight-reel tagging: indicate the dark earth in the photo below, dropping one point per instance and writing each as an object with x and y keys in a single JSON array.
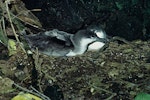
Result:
[{"x": 121, "y": 71}]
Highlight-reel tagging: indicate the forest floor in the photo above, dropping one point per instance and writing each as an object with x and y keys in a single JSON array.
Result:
[{"x": 119, "y": 72}]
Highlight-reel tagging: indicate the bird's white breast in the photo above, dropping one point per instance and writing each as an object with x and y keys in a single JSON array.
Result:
[{"x": 95, "y": 46}]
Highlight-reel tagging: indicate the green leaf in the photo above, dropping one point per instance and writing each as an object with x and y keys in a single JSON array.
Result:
[
  {"x": 142, "y": 96},
  {"x": 12, "y": 47}
]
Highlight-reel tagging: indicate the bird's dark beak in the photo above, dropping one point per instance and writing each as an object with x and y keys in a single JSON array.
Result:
[{"x": 104, "y": 40}]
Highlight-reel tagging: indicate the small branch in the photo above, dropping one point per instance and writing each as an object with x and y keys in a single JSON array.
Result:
[
  {"x": 41, "y": 95},
  {"x": 110, "y": 98},
  {"x": 101, "y": 89},
  {"x": 37, "y": 93},
  {"x": 9, "y": 17},
  {"x": 120, "y": 39},
  {"x": 11, "y": 23}
]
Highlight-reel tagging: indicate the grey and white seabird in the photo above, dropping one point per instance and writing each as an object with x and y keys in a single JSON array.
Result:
[{"x": 59, "y": 43}]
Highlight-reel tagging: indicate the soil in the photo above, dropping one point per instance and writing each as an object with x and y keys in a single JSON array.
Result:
[{"x": 119, "y": 72}]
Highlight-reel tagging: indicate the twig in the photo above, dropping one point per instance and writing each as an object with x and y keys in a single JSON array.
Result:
[
  {"x": 98, "y": 88},
  {"x": 42, "y": 96},
  {"x": 102, "y": 89},
  {"x": 110, "y": 98},
  {"x": 4, "y": 28},
  {"x": 37, "y": 63},
  {"x": 35, "y": 26},
  {"x": 11, "y": 23},
  {"x": 9, "y": 17},
  {"x": 120, "y": 39}
]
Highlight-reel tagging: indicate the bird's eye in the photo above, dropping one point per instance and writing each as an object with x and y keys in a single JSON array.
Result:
[{"x": 92, "y": 35}]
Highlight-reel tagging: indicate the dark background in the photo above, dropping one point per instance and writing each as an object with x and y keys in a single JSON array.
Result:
[{"x": 129, "y": 19}]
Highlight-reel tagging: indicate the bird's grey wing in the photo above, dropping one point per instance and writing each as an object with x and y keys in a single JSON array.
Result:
[
  {"x": 48, "y": 45},
  {"x": 61, "y": 35}
]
